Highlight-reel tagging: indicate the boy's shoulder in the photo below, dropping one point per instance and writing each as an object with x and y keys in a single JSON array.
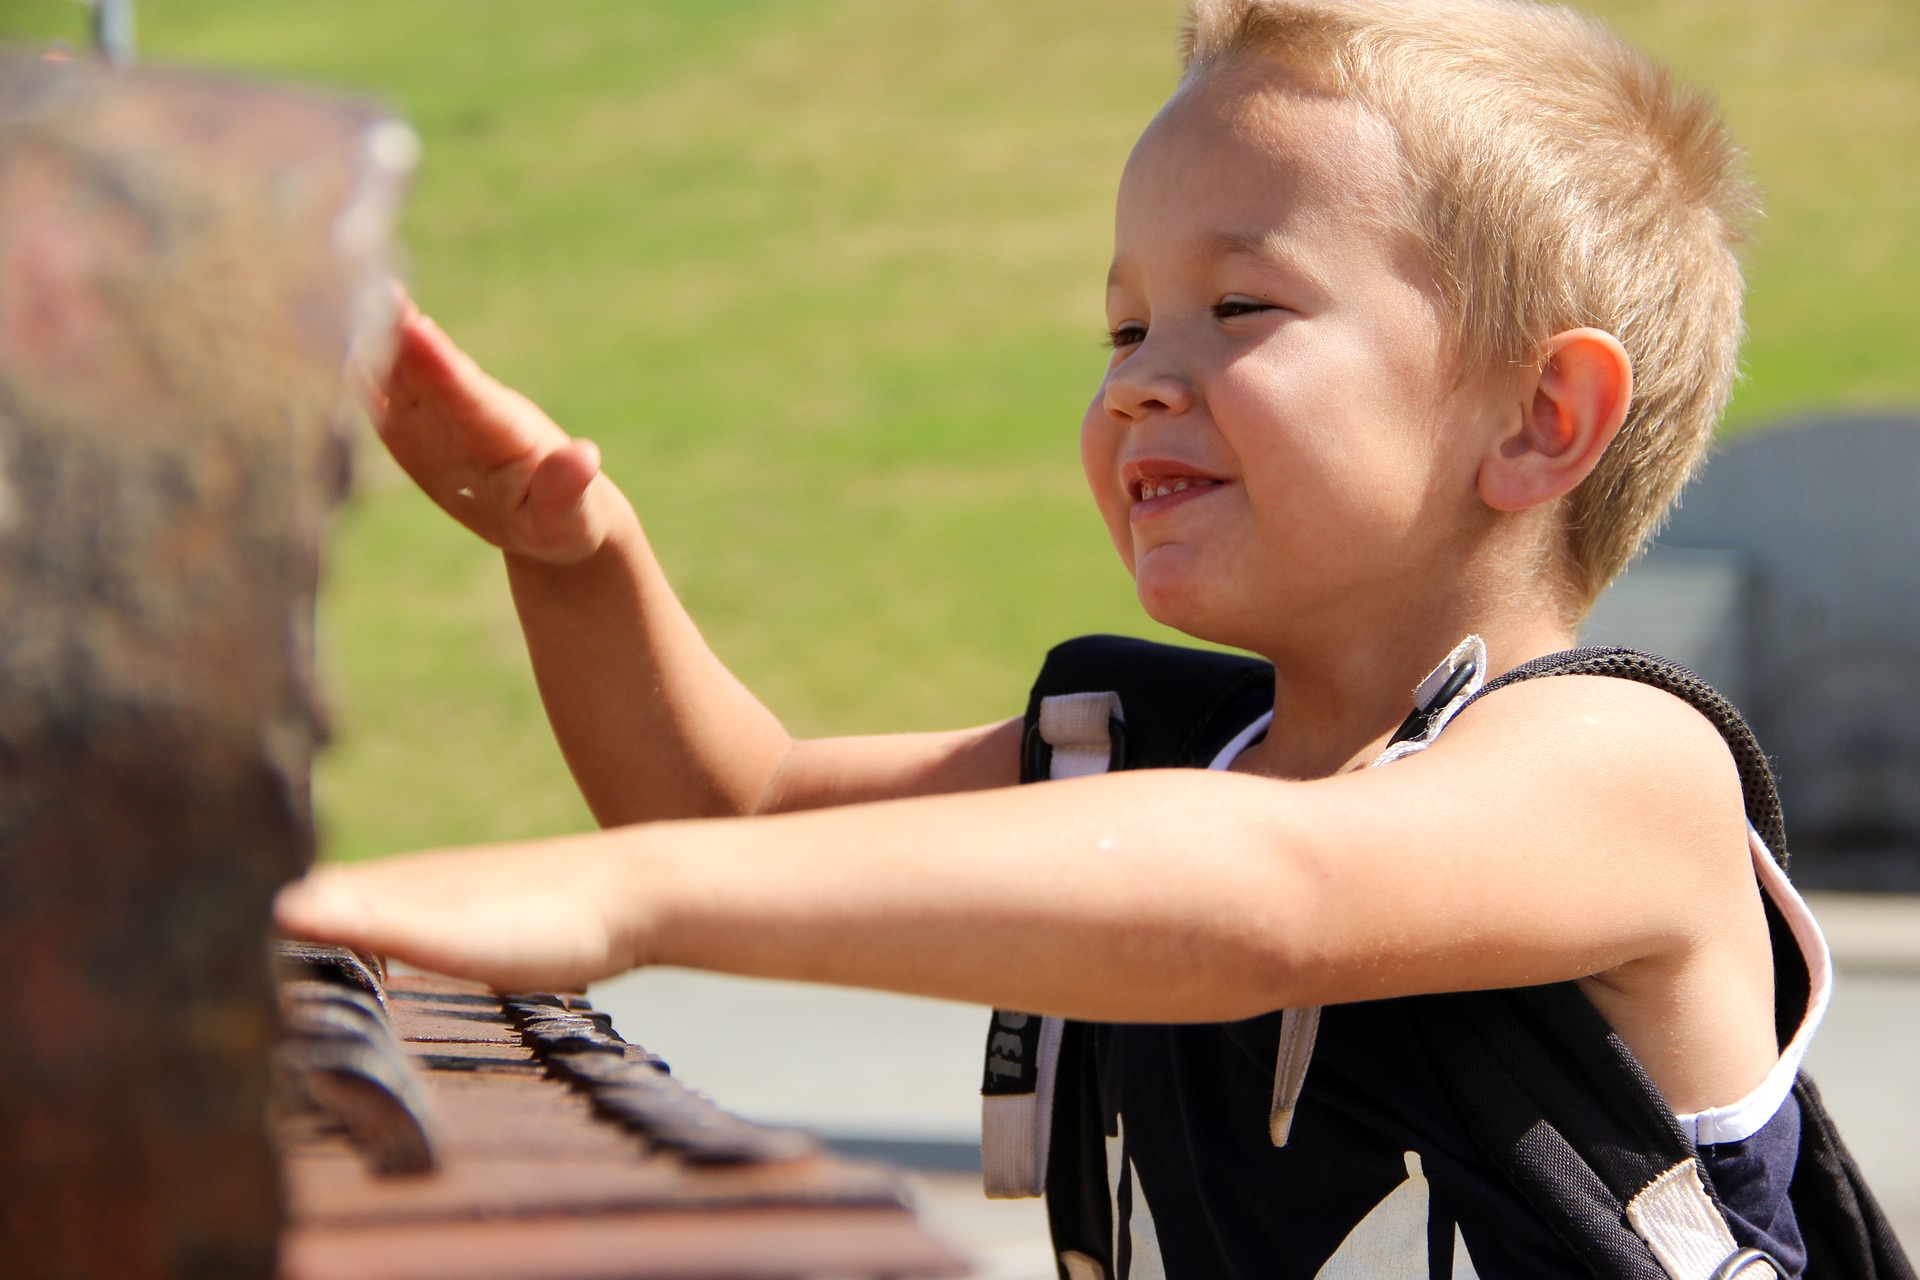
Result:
[
  {"x": 1634, "y": 717},
  {"x": 1627, "y": 753}
]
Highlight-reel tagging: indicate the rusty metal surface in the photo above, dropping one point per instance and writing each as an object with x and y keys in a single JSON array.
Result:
[
  {"x": 635, "y": 1089},
  {"x": 533, "y": 1179},
  {"x": 180, "y": 266},
  {"x": 298, "y": 961}
]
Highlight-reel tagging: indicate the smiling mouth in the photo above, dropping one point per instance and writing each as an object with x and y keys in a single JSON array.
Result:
[{"x": 1147, "y": 490}]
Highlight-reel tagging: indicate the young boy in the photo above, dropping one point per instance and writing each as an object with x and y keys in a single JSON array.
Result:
[{"x": 1422, "y": 311}]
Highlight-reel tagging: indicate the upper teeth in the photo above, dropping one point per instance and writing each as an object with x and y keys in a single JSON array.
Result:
[{"x": 1161, "y": 488}]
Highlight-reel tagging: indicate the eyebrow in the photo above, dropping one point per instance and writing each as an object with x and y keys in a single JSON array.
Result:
[
  {"x": 1225, "y": 244},
  {"x": 1229, "y": 244}
]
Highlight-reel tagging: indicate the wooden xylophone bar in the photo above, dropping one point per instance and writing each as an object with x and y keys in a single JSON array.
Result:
[{"x": 552, "y": 1148}]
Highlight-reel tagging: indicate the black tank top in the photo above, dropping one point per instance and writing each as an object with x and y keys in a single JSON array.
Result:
[{"x": 1379, "y": 1178}]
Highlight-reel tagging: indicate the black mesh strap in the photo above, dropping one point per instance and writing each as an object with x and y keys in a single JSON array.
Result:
[
  {"x": 1549, "y": 1091},
  {"x": 1756, "y": 774},
  {"x": 1792, "y": 981},
  {"x": 1557, "y": 1102},
  {"x": 1846, "y": 1230}
]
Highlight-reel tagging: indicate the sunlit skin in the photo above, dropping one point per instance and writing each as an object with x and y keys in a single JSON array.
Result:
[
  {"x": 1353, "y": 507},
  {"x": 1292, "y": 367}
]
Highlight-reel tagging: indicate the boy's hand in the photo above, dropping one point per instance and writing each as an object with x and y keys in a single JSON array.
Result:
[
  {"x": 488, "y": 455},
  {"x": 521, "y": 917}
]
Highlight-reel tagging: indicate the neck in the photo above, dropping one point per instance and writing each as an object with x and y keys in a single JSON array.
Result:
[{"x": 1340, "y": 693}]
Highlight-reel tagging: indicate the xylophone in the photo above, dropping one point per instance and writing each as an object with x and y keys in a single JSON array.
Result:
[{"x": 431, "y": 1128}]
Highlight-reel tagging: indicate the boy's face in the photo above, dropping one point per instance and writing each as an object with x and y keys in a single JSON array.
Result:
[{"x": 1280, "y": 362}]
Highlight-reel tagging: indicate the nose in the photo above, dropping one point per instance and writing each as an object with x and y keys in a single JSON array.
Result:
[{"x": 1146, "y": 382}]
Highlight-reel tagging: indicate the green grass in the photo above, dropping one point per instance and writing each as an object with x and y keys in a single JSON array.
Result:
[{"x": 822, "y": 276}]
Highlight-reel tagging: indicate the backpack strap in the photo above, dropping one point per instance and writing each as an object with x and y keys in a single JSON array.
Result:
[
  {"x": 1182, "y": 705},
  {"x": 1756, "y": 774},
  {"x": 1109, "y": 702},
  {"x": 1100, "y": 703},
  {"x": 1445, "y": 692},
  {"x": 1558, "y": 1102},
  {"x": 1792, "y": 982},
  {"x": 1845, "y": 1229},
  {"x": 1069, "y": 735}
]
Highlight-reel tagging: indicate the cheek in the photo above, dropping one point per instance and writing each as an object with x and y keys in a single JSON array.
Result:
[
  {"x": 1100, "y": 462},
  {"x": 1333, "y": 514},
  {"x": 1330, "y": 462}
]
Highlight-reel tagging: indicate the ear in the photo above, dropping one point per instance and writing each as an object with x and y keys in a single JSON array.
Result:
[{"x": 1567, "y": 416}]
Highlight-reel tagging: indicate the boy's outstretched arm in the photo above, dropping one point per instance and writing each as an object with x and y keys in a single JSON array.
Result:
[
  {"x": 651, "y": 723},
  {"x": 1561, "y": 829}
]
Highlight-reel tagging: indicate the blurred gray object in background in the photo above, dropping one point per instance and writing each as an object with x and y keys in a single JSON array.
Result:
[
  {"x": 1790, "y": 578},
  {"x": 113, "y": 30}
]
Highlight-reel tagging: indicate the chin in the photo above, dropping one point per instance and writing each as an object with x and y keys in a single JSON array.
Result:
[
  {"x": 1212, "y": 610},
  {"x": 1174, "y": 602}
]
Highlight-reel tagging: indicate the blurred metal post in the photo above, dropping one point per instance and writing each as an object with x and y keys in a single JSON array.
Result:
[
  {"x": 183, "y": 264},
  {"x": 113, "y": 30}
]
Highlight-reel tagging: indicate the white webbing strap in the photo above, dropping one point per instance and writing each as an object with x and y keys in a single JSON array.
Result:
[
  {"x": 1017, "y": 1127},
  {"x": 1299, "y": 1028},
  {"x": 1683, "y": 1227},
  {"x": 1472, "y": 650},
  {"x": 1079, "y": 1266},
  {"x": 1007, "y": 1155},
  {"x": 1075, "y": 726}
]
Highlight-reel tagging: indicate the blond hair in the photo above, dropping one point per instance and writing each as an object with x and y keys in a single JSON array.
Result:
[{"x": 1559, "y": 179}]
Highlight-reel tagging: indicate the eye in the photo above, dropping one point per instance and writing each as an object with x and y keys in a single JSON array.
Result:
[
  {"x": 1126, "y": 335},
  {"x": 1236, "y": 304}
]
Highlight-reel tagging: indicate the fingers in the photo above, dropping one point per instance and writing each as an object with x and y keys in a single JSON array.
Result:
[
  {"x": 559, "y": 518},
  {"x": 485, "y": 453},
  {"x": 428, "y": 365},
  {"x": 404, "y": 307},
  {"x": 562, "y": 478},
  {"x": 370, "y": 389},
  {"x": 322, "y": 907},
  {"x": 406, "y": 314},
  {"x": 439, "y": 388},
  {"x": 431, "y": 374},
  {"x": 453, "y": 914},
  {"x": 347, "y": 908}
]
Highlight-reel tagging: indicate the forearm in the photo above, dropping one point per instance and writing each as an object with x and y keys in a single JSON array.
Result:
[
  {"x": 1079, "y": 899},
  {"x": 1192, "y": 895},
  {"x": 650, "y": 721}
]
